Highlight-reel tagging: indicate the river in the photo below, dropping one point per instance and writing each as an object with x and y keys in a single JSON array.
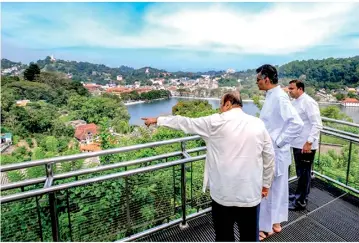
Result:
[{"x": 164, "y": 107}]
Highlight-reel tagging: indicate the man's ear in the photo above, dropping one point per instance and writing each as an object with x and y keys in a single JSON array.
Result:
[{"x": 228, "y": 103}]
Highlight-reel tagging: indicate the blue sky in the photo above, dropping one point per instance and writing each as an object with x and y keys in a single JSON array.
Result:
[{"x": 179, "y": 36}]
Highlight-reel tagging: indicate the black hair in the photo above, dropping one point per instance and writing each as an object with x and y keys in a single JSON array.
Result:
[
  {"x": 298, "y": 83},
  {"x": 268, "y": 71}
]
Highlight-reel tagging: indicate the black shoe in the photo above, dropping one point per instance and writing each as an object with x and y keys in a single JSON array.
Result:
[
  {"x": 292, "y": 197},
  {"x": 296, "y": 205}
]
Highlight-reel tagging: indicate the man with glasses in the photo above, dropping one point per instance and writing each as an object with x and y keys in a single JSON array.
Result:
[
  {"x": 284, "y": 125},
  {"x": 305, "y": 145}
]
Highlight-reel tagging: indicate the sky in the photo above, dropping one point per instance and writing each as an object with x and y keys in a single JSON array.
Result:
[{"x": 179, "y": 36}]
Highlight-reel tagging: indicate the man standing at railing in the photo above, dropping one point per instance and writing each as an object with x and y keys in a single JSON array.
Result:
[
  {"x": 239, "y": 164},
  {"x": 305, "y": 145},
  {"x": 284, "y": 125}
]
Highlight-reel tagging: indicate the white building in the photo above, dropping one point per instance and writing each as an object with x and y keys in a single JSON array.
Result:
[{"x": 230, "y": 70}]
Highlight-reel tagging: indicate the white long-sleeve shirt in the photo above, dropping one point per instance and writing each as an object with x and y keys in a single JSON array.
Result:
[
  {"x": 283, "y": 124},
  {"x": 240, "y": 155},
  {"x": 309, "y": 112}
]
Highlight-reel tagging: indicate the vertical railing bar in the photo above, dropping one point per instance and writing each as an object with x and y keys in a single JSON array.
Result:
[
  {"x": 174, "y": 189},
  {"x": 39, "y": 217},
  {"x": 320, "y": 144},
  {"x": 68, "y": 214},
  {"x": 183, "y": 193},
  {"x": 128, "y": 213},
  {"x": 349, "y": 159},
  {"x": 54, "y": 218},
  {"x": 191, "y": 184},
  {"x": 53, "y": 206},
  {"x": 183, "y": 189}
]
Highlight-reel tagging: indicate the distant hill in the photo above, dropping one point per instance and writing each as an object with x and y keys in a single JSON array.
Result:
[
  {"x": 328, "y": 73},
  {"x": 5, "y": 63}
]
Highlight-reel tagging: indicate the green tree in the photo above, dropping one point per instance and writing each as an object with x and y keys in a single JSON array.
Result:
[
  {"x": 310, "y": 91},
  {"x": 340, "y": 96},
  {"x": 52, "y": 144},
  {"x": 120, "y": 126},
  {"x": 193, "y": 108},
  {"x": 31, "y": 72},
  {"x": 352, "y": 95},
  {"x": 257, "y": 102},
  {"x": 335, "y": 113}
]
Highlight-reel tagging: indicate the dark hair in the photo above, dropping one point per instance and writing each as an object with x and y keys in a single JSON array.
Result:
[
  {"x": 298, "y": 83},
  {"x": 234, "y": 97},
  {"x": 269, "y": 71}
]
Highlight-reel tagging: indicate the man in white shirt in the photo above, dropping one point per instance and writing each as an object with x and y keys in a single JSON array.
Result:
[
  {"x": 239, "y": 164},
  {"x": 284, "y": 125},
  {"x": 306, "y": 144}
]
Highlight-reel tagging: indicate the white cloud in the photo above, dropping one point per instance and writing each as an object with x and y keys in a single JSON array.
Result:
[{"x": 280, "y": 29}]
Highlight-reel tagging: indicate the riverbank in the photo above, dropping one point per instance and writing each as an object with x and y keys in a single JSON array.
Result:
[
  {"x": 328, "y": 103},
  {"x": 142, "y": 101},
  {"x": 212, "y": 98},
  {"x": 202, "y": 98},
  {"x": 135, "y": 102}
]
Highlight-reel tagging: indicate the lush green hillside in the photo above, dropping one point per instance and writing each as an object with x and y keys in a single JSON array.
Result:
[
  {"x": 5, "y": 63},
  {"x": 327, "y": 73}
]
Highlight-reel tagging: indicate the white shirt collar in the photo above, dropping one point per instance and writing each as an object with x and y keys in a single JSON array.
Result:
[{"x": 273, "y": 89}]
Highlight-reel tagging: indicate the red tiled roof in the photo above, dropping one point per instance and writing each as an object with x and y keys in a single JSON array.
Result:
[
  {"x": 118, "y": 90},
  {"x": 82, "y": 131},
  {"x": 143, "y": 90},
  {"x": 90, "y": 147},
  {"x": 350, "y": 100}
]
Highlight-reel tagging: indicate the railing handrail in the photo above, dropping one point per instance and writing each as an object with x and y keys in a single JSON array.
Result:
[
  {"x": 65, "y": 158},
  {"x": 98, "y": 169},
  {"x": 37, "y": 192},
  {"x": 340, "y": 122},
  {"x": 325, "y": 128},
  {"x": 346, "y": 137}
]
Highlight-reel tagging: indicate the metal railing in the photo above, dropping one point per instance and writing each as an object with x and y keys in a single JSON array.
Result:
[
  {"x": 55, "y": 195},
  {"x": 342, "y": 139},
  {"x": 124, "y": 200}
]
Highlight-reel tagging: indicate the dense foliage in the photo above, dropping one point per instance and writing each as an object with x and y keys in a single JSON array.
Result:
[
  {"x": 5, "y": 63},
  {"x": 99, "y": 211},
  {"x": 228, "y": 82},
  {"x": 31, "y": 72},
  {"x": 195, "y": 108},
  {"x": 150, "y": 95},
  {"x": 331, "y": 73}
]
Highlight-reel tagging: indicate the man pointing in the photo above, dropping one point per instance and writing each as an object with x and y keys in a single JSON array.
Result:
[{"x": 239, "y": 164}]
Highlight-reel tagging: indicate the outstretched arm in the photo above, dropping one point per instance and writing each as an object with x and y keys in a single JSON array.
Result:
[{"x": 200, "y": 126}]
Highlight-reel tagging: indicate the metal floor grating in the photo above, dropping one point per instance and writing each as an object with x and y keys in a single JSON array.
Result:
[{"x": 331, "y": 215}]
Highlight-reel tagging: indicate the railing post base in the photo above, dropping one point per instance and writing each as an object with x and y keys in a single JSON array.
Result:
[{"x": 183, "y": 226}]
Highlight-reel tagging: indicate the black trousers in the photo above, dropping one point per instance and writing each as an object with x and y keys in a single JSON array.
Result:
[
  {"x": 303, "y": 166},
  {"x": 247, "y": 219}
]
